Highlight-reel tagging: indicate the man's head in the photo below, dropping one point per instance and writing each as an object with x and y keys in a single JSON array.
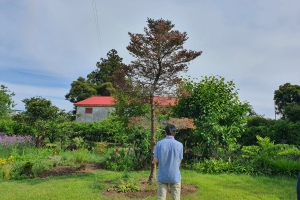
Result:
[{"x": 170, "y": 129}]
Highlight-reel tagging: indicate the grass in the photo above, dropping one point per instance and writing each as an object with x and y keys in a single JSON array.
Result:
[{"x": 211, "y": 187}]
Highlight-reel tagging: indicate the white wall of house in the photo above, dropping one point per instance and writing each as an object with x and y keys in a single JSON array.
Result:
[{"x": 98, "y": 114}]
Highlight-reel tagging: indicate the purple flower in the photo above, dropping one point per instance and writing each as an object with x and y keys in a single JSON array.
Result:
[{"x": 6, "y": 140}]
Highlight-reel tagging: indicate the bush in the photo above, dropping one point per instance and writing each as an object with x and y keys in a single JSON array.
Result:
[
  {"x": 39, "y": 166},
  {"x": 269, "y": 159},
  {"x": 120, "y": 160},
  {"x": 80, "y": 157},
  {"x": 8, "y": 126},
  {"x": 109, "y": 130},
  {"x": 279, "y": 131}
]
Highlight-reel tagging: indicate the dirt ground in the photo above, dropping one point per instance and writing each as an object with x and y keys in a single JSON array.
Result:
[{"x": 145, "y": 189}]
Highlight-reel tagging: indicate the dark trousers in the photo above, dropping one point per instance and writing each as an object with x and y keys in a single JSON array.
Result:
[{"x": 298, "y": 187}]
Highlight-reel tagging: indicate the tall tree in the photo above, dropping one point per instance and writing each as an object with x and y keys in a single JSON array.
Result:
[
  {"x": 6, "y": 102},
  {"x": 160, "y": 57},
  {"x": 285, "y": 95},
  {"x": 106, "y": 68},
  {"x": 101, "y": 78}
]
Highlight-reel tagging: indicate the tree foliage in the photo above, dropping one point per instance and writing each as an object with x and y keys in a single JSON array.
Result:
[
  {"x": 44, "y": 118},
  {"x": 286, "y": 97},
  {"x": 38, "y": 108},
  {"x": 106, "y": 68},
  {"x": 80, "y": 90},
  {"x": 159, "y": 57},
  {"x": 6, "y": 101},
  {"x": 98, "y": 82},
  {"x": 292, "y": 111},
  {"x": 218, "y": 113},
  {"x": 280, "y": 131}
]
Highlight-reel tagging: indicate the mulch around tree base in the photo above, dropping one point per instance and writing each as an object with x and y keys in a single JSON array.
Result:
[{"x": 146, "y": 190}]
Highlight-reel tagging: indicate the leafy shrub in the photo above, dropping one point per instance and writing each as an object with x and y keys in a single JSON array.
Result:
[
  {"x": 6, "y": 171},
  {"x": 285, "y": 166},
  {"x": 279, "y": 131},
  {"x": 121, "y": 159},
  {"x": 101, "y": 147},
  {"x": 125, "y": 184},
  {"x": 80, "y": 157},
  {"x": 39, "y": 166},
  {"x": 109, "y": 130},
  {"x": 8, "y": 126},
  {"x": 22, "y": 170},
  {"x": 268, "y": 158}
]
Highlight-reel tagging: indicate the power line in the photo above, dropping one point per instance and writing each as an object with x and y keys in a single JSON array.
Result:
[{"x": 97, "y": 24}]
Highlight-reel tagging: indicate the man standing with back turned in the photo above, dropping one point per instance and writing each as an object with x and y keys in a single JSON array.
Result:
[{"x": 168, "y": 154}]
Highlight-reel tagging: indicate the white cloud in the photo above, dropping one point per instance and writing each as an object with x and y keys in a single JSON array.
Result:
[{"x": 255, "y": 43}]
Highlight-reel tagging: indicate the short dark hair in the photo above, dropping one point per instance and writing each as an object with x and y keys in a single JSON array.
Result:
[{"x": 170, "y": 129}]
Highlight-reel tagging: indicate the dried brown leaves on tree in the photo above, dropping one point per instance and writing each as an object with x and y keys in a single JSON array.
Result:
[
  {"x": 181, "y": 123},
  {"x": 160, "y": 56}
]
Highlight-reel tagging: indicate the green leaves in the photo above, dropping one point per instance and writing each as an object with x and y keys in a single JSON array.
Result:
[
  {"x": 285, "y": 95},
  {"x": 98, "y": 82},
  {"x": 214, "y": 105},
  {"x": 6, "y": 102}
]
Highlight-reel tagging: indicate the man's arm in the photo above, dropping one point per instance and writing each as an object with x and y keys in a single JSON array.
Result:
[{"x": 155, "y": 161}]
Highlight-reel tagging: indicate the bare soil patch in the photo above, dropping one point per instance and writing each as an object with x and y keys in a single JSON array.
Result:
[
  {"x": 146, "y": 190},
  {"x": 69, "y": 170}
]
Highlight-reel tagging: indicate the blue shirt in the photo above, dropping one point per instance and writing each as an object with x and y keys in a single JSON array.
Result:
[{"x": 169, "y": 153}]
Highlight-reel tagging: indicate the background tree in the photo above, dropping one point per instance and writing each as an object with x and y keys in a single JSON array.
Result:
[
  {"x": 80, "y": 90},
  {"x": 286, "y": 94},
  {"x": 218, "y": 113},
  {"x": 292, "y": 111},
  {"x": 99, "y": 82},
  {"x": 42, "y": 116},
  {"x": 160, "y": 56},
  {"x": 6, "y": 102},
  {"x": 106, "y": 68}
]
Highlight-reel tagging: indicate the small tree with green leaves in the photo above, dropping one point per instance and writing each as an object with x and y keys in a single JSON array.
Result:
[
  {"x": 44, "y": 117},
  {"x": 218, "y": 113}
]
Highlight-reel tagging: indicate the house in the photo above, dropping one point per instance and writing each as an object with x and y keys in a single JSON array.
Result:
[
  {"x": 94, "y": 108},
  {"x": 98, "y": 108},
  {"x": 15, "y": 112}
]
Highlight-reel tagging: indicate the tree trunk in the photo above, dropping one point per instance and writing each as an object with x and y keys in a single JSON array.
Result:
[
  {"x": 152, "y": 176},
  {"x": 39, "y": 141}
]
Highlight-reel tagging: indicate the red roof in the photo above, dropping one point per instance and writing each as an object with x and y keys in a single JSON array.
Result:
[
  {"x": 97, "y": 101},
  {"x": 108, "y": 101}
]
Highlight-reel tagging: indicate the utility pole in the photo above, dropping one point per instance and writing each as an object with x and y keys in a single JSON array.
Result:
[{"x": 275, "y": 109}]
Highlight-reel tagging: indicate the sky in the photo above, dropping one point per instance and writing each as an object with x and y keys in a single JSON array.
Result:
[{"x": 45, "y": 45}]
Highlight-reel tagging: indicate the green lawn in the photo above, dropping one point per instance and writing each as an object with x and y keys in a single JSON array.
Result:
[{"x": 211, "y": 187}]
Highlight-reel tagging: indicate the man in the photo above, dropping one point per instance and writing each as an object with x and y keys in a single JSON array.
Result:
[{"x": 168, "y": 154}]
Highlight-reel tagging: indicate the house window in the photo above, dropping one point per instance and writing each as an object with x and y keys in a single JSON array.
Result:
[{"x": 88, "y": 110}]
